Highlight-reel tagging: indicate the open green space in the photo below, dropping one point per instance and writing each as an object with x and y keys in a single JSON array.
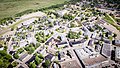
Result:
[
  {"x": 9, "y": 8},
  {"x": 110, "y": 21}
]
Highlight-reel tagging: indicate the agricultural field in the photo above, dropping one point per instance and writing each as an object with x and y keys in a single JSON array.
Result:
[{"x": 9, "y": 8}]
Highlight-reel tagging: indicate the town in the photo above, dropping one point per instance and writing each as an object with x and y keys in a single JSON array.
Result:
[{"x": 78, "y": 35}]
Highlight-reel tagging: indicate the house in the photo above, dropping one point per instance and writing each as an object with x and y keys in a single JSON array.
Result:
[
  {"x": 41, "y": 51},
  {"x": 50, "y": 57},
  {"x": 77, "y": 43},
  {"x": 98, "y": 48},
  {"x": 62, "y": 44},
  {"x": 2, "y": 39},
  {"x": 116, "y": 42},
  {"x": 52, "y": 41},
  {"x": 55, "y": 65},
  {"x": 61, "y": 55},
  {"x": 117, "y": 14},
  {"x": 106, "y": 41},
  {"x": 23, "y": 56},
  {"x": 30, "y": 59}
]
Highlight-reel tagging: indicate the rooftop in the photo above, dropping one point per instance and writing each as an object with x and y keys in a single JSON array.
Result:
[
  {"x": 92, "y": 61},
  {"x": 70, "y": 64}
]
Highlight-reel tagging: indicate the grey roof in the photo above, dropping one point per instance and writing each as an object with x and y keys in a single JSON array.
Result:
[
  {"x": 90, "y": 42},
  {"x": 117, "y": 42},
  {"x": 77, "y": 42},
  {"x": 23, "y": 56},
  {"x": 106, "y": 50},
  {"x": 49, "y": 56},
  {"x": 49, "y": 41},
  {"x": 92, "y": 61},
  {"x": 61, "y": 43}
]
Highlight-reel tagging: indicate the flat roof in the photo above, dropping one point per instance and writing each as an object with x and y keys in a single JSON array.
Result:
[
  {"x": 95, "y": 60},
  {"x": 70, "y": 64}
]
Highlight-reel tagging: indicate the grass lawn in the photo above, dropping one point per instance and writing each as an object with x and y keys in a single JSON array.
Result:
[
  {"x": 110, "y": 21},
  {"x": 9, "y": 8}
]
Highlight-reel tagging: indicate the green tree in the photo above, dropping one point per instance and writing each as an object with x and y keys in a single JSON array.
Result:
[
  {"x": 46, "y": 64},
  {"x": 86, "y": 37},
  {"x": 16, "y": 56},
  {"x": 14, "y": 64},
  {"x": 38, "y": 60},
  {"x": 4, "y": 59},
  {"x": 32, "y": 65},
  {"x": 41, "y": 56}
]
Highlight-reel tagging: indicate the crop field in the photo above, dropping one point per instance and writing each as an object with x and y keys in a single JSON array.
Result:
[{"x": 11, "y": 7}]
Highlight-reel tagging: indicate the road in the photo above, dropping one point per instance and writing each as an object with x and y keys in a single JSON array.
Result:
[{"x": 22, "y": 19}]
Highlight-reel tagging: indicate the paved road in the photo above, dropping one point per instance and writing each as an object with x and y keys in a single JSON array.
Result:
[{"x": 22, "y": 19}]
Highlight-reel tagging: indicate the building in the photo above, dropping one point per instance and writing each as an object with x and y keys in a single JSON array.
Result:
[
  {"x": 91, "y": 43},
  {"x": 116, "y": 42},
  {"x": 116, "y": 50},
  {"x": 96, "y": 62},
  {"x": 89, "y": 58},
  {"x": 23, "y": 56},
  {"x": 70, "y": 64},
  {"x": 77, "y": 42},
  {"x": 62, "y": 44},
  {"x": 117, "y": 54},
  {"x": 50, "y": 57},
  {"x": 106, "y": 50},
  {"x": 52, "y": 41}
]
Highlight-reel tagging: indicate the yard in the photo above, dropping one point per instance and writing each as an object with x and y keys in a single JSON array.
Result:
[{"x": 9, "y": 8}]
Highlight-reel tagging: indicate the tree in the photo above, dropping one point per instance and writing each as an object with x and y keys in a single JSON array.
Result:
[
  {"x": 5, "y": 48},
  {"x": 115, "y": 35},
  {"x": 80, "y": 33},
  {"x": 16, "y": 56},
  {"x": 110, "y": 37},
  {"x": 14, "y": 64},
  {"x": 20, "y": 50},
  {"x": 4, "y": 59},
  {"x": 86, "y": 37},
  {"x": 59, "y": 37},
  {"x": 68, "y": 16},
  {"x": 46, "y": 64},
  {"x": 41, "y": 56},
  {"x": 38, "y": 60},
  {"x": 32, "y": 65},
  {"x": 31, "y": 50}
]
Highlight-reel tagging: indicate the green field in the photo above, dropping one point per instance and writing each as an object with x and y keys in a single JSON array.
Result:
[{"x": 9, "y": 8}]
